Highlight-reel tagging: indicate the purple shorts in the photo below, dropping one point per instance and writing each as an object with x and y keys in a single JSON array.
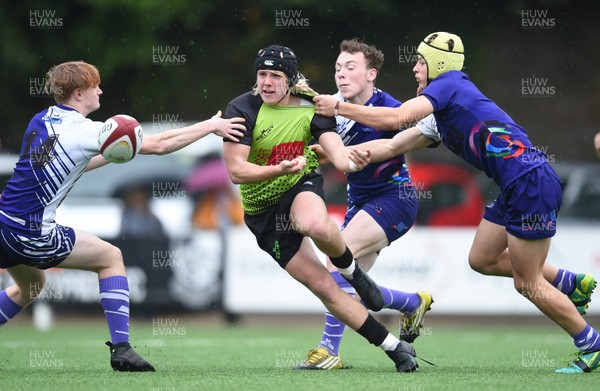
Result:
[
  {"x": 41, "y": 252},
  {"x": 394, "y": 211},
  {"x": 529, "y": 206}
]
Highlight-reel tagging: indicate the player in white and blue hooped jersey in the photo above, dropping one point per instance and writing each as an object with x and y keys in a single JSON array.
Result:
[
  {"x": 514, "y": 235},
  {"x": 59, "y": 144},
  {"x": 382, "y": 202}
]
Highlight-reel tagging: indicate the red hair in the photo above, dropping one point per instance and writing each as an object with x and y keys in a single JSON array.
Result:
[{"x": 63, "y": 79}]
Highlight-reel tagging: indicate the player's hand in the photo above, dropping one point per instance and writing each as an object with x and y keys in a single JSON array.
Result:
[
  {"x": 359, "y": 157},
  {"x": 294, "y": 166},
  {"x": 231, "y": 129},
  {"x": 324, "y": 104},
  {"x": 321, "y": 155}
]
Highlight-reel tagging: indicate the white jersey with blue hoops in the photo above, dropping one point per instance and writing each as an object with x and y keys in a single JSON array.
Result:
[{"x": 57, "y": 146}]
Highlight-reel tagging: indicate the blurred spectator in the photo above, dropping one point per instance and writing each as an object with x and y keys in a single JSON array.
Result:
[
  {"x": 138, "y": 220},
  {"x": 198, "y": 283},
  {"x": 597, "y": 143},
  {"x": 217, "y": 208},
  {"x": 217, "y": 204}
]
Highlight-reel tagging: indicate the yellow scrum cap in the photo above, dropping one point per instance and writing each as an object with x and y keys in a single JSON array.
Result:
[{"x": 442, "y": 52}]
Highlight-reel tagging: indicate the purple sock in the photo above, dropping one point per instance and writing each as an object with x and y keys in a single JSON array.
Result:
[
  {"x": 587, "y": 340},
  {"x": 8, "y": 308},
  {"x": 407, "y": 303},
  {"x": 564, "y": 281},
  {"x": 334, "y": 328},
  {"x": 114, "y": 296}
]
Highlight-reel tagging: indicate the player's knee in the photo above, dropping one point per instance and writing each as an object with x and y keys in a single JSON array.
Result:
[
  {"x": 522, "y": 286},
  {"x": 322, "y": 231},
  {"x": 306, "y": 226},
  {"x": 323, "y": 288},
  {"x": 113, "y": 258},
  {"x": 476, "y": 264},
  {"x": 481, "y": 264}
]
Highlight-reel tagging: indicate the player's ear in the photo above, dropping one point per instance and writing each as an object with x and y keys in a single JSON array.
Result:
[
  {"x": 77, "y": 94},
  {"x": 372, "y": 74}
]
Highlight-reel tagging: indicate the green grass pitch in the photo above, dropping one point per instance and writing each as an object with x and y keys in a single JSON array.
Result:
[{"x": 189, "y": 356}]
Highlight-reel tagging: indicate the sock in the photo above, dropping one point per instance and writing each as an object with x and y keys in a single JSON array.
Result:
[
  {"x": 564, "y": 281},
  {"x": 114, "y": 296},
  {"x": 347, "y": 271},
  {"x": 344, "y": 263},
  {"x": 334, "y": 328},
  {"x": 8, "y": 308},
  {"x": 375, "y": 333},
  {"x": 389, "y": 343},
  {"x": 587, "y": 340},
  {"x": 407, "y": 303}
]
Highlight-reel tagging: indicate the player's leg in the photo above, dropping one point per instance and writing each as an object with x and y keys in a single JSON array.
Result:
[
  {"x": 367, "y": 245},
  {"x": 527, "y": 258},
  {"x": 382, "y": 221},
  {"x": 309, "y": 217},
  {"x": 364, "y": 233},
  {"x": 93, "y": 254},
  {"x": 535, "y": 199},
  {"x": 306, "y": 268},
  {"x": 29, "y": 282},
  {"x": 489, "y": 255}
]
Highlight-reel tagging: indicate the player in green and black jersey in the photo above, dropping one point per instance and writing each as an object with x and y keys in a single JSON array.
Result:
[{"x": 282, "y": 195}]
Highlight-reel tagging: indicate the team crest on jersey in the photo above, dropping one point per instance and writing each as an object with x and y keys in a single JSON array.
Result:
[
  {"x": 264, "y": 132},
  {"x": 52, "y": 120}
]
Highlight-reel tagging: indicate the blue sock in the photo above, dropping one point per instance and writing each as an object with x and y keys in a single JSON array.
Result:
[
  {"x": 564, "y": 281},
  {"x": 8, "y": 308},
  {"x": 407, "y": 303},
  {"x": 114, "y": 296},
  {"x": 334, "y": 328},
  {"x": 587, "y": 340}
]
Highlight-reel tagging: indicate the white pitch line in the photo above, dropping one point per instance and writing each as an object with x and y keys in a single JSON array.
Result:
[{"x": 154, "y": 342}]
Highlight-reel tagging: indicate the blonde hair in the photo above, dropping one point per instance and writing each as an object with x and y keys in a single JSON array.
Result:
[
  {"x": 63, "y": 79},
  {"x": 300, "y": 88}
]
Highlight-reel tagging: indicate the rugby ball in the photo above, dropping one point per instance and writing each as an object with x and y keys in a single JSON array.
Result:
[{"x": 120, "y": 138}]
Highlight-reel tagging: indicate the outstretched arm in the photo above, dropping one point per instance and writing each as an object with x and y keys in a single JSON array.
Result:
[
  {"x": 338, "y": 154},
  {"x": 384, "y": 118},
  {"x": 96, "y": 162},
  {"x": 175, "y": 139},
  {"x": 383, "y": 149}
]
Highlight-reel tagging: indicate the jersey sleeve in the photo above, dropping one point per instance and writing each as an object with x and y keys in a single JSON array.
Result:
[
  {"x": 320, "y": 124},
  {"x": 428, "y": 127},
  {"x": 88, "y": 138},
  {"x": 441, "y": 92},
  {"x": 245, "y": 106}
]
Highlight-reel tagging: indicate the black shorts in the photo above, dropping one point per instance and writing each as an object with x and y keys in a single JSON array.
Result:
[{"x": 272, "y": 228}]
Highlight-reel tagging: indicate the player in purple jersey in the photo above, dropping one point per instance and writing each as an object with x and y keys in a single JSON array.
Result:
[
  {"x": 382, "y": 202},
  {"x": 59, "y": 144},
  {"x": 514, "y": 236}
]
